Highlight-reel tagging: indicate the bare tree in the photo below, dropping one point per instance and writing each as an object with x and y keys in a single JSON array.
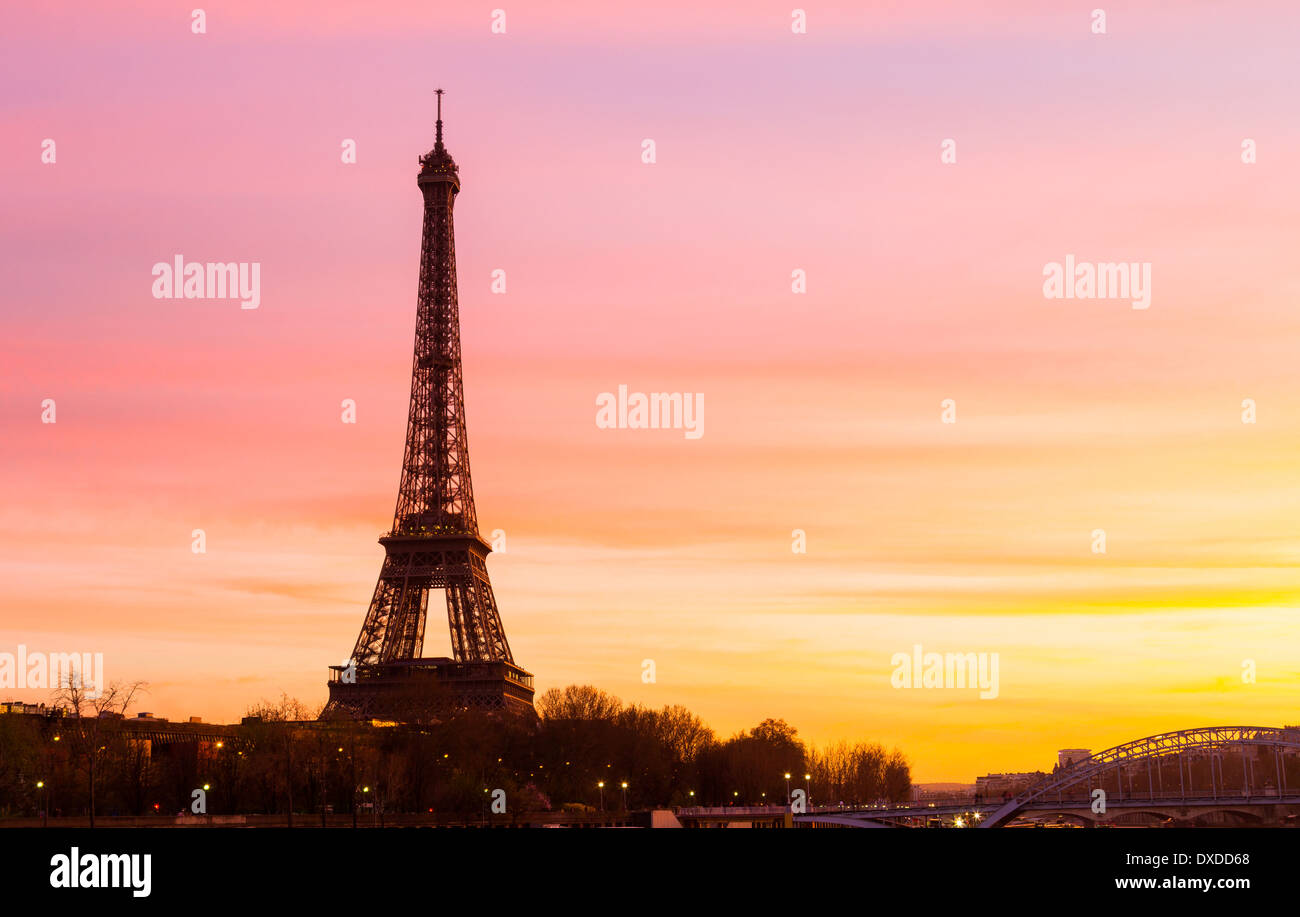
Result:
[
  {"x": 91, "y": 719},
  {"x": 275, "y": 728},
  {"x": 578, "y": 702},
  {"x": 860, "y": 773}
]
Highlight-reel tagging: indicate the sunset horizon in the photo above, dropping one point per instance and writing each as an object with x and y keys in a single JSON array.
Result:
[{"x": 843, "y": 244}]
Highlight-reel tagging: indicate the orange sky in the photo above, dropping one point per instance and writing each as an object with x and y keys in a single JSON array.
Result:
[{"x": 775, "y": 152}]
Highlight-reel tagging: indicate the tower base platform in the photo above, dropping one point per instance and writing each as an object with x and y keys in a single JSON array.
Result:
[{"x": 420, "y": 690}]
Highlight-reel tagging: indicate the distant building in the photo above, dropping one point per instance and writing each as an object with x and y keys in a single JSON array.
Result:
[
  {"x": 18, "y": 707},
  {"x": 1068, "y": 756},
  {"x": 993, "y": 786},
  {"x": 930, "y": 792}
]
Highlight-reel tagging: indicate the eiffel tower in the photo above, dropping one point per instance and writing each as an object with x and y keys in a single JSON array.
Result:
[{"x": 434, "y": 544}]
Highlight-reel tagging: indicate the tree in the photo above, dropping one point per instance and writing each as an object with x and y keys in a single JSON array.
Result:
[
  {"x": 859, "y": 773},
  {"x": 578, "y": 702},
  {"x": 20, "y": 762},
  {"x": 91, "y": 724},
  {"x": 271, "y": 731}
]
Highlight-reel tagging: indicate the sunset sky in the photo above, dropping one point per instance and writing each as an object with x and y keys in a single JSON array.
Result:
[{"x": 775, "y": 152}]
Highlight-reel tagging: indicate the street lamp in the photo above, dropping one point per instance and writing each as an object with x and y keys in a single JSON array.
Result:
[
  {"x": 787, "y": 789},
  {"x": 601, "y": 784},
  {"x": 624, "y": 795},
  {"x": 807, "y": 788},
  {"x": 40, "y": 785},
  {"x": 356, "y": 801}
]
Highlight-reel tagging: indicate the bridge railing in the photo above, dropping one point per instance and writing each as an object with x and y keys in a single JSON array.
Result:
[{"x": 720, "y": 811}]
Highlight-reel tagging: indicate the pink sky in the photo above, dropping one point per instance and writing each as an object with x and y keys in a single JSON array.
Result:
[{"x": 775, "y": 151}]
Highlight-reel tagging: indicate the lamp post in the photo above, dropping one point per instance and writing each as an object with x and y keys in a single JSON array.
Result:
[
  {"x": 787, "y": 789},
  {"x": 40, "y": 785},
  {"x": 358, "y": 793},
  {"x": 624, "y": 795},
  {"x": 807, "y": 788},
  {"x": 601, "y": 785}
]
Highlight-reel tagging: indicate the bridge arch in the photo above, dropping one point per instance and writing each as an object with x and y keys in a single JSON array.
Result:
[{"x": 1212, "y": 739}]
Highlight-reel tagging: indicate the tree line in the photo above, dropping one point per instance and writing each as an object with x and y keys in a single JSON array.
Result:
[{"x": 282, "y": 760}]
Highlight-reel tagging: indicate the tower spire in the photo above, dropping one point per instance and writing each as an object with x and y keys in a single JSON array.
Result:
[{"x": 438, "y": 137}]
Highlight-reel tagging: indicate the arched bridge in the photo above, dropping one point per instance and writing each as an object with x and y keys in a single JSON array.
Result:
[{"x": 1238, "y": 773}]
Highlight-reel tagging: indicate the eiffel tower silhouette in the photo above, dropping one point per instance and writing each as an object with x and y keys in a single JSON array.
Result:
[{"x": 434, "y": 544}]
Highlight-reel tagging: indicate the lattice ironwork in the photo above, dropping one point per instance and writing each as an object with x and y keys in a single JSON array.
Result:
[{"x": 413, "y": 567}]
